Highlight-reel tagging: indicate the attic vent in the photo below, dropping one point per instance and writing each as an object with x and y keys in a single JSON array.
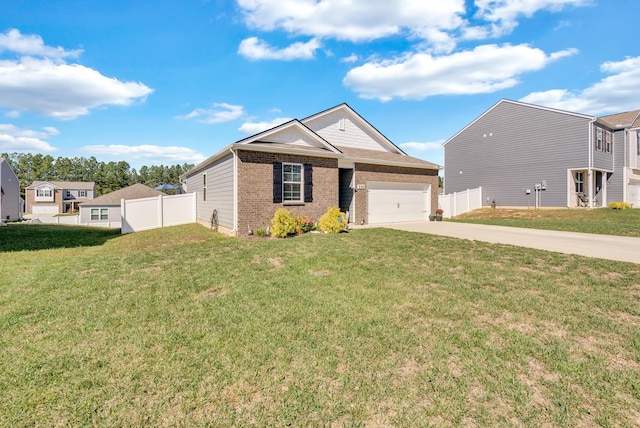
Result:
[{"x": 341, "y": 124}]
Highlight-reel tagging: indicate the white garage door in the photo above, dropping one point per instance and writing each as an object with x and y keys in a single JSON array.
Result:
[
  {"x": 397, "y": 202},
  {"x": 44, "y": 209}
]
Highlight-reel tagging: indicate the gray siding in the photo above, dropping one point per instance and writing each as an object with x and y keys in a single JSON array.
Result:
[
  {"x": 219, "y": 191},
  {"x": 10, "y": 204},
  {"x": 615, "y": 184},
  {"x": 511, "y": 148},
  {"x": 601, "y": 159}
]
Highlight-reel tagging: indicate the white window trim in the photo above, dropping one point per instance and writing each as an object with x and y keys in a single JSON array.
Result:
[
  {"x": 99, "y": 214},
  {"x": 301, "y": 183}
]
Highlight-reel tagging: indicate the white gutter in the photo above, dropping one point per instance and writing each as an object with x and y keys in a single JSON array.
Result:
[
  {"x": 590, "y": 163},
  {"x": 235, "y": 190}
]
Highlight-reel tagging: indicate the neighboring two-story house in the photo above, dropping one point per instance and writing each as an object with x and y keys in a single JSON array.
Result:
[
  {"x": 10, "y": 202},
  {"x": 528, "y": 155},
  {"x": 57, "y": 197}
]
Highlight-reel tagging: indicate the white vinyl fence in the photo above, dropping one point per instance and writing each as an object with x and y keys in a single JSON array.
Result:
[
  {"x": 458, "y": 203},
  {"x": 74, "y": 220},
  {"x": 161, "y": 211}
]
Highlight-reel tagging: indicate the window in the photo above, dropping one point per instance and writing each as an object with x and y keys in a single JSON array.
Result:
[
  {"x": 44, "y": 193},
  {"x": 204, "y": 187},
  {"x": 99, "y": 213},
  {"x": 292, "y": 182},
  {"x": 82, "y": 193},
  {"x": 638, "y": 143},
  {"x": 579, "y": 182},
  {"x": 67, "y": 193},
  {"x": 607, "y": 142},
  {"x": 598, "y": 138}
]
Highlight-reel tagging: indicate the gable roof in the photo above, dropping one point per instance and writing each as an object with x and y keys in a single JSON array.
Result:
[
  {"x": 627, "y": 119},
  {"x": 135, "y": 191},
  {"x": 359, "y": 120},
  {"x": 384, "y": 158},
  {"x": 79, "y": 185}
]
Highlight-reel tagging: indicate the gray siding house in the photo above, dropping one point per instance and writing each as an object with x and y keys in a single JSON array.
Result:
[
  {"x": 525, "y": 155},
  {"x": 105, "y": 209},
  {"x": 10, "y": 201}
]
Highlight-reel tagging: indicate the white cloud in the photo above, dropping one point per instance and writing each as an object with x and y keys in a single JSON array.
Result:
[
  {"x": 49, "y": 87},
  {"x": 32, "y": 45},
  {"x": 504, "y": 14},
  {"x": 256, "y": 49},
  {"x": 422, "y": 147},
  {"x": 14, "y": 139},
  {"x": 615, "y": 93},
  {"x": 485, "y": 69},
  {"x": 252, "y": 128},
  {"x": 355, "y": 20},
  {"x": 146, "y": 152},
  {"x": 221, "y": 112},
  {"x": 351, "y": 58}
]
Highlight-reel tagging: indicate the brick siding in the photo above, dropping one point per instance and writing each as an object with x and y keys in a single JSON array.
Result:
[
  {"x": 368, "y": 172},
  {"x": 255, "y": 188}
]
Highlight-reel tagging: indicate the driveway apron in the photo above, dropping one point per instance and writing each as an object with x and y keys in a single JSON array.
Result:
[{"x": 619, "y": 248}]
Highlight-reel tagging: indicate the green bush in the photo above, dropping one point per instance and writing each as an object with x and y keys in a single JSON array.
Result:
[
  {"x": 619, "y": 206},
  {"x": 333, "y": 221},
  {"x": 262, "y": 232},
  {"x": 283, "y": 223}
]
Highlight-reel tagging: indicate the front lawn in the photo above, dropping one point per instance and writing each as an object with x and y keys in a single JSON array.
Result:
[
  {"x": 182, "y": 326},
  {"x": 602, "y": 221}
]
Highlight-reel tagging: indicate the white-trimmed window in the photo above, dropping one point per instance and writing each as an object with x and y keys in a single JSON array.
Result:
[
  {"x": 292, "y": 182},
  {"x": 44, "y": 193},
  {"x": 82, "y": 193},
  {"x": 204, "y": 187},
  {"x": 607, "y": 142},
  {"x": 579, "y": 182},
  {"x": 598, "y": 138},
  {"x": 99, "y": 213}
]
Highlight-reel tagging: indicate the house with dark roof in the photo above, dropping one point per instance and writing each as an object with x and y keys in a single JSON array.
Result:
[
  {"x": 10, "y": 201},
  {"x": 57, "y": 197},
  {"x": 106, "y": 209},
  {"x": 526, "y": 155},
  {"x": 332, "y": 158}
]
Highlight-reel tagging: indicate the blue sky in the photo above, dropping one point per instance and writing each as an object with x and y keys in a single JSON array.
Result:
[{"x": 165, "y": 82}]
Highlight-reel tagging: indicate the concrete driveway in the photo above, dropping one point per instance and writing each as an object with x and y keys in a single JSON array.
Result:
[{"x": 608, "y": 247}]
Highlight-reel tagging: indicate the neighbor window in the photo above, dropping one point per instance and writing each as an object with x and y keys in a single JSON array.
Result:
[
  {"x": 82, "y": 193},
  {"x": 44, "y": 193},
  {"x": 204, "y": 187},
  {"x": 607, "y": 142},
  {"x": 598, "y": 138},
  {"x": 579, "y": 182},
  {"x": 99, "y": 213},
  {"x": 292, "y": 182}
]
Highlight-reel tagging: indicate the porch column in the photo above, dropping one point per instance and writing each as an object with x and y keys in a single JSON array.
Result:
[{"x": 591, "y": 180}]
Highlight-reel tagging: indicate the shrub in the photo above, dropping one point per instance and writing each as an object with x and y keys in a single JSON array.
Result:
[
  {"x": 619, "y": 206},
  {"x": 304, "y": 225},
  {"x": 283, "y": 223},
  {"x": 333, "y": 221},
  {"x": 262, "y": 232}
]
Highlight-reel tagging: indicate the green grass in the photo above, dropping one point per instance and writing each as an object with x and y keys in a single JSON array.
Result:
[
  {"x": 602, "y": 221},
  {"x": 183, "y": 327}
]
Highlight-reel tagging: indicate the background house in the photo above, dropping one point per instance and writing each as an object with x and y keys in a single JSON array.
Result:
[
  {"x": 10, "y": 201},
  {"x": 106, "y": 208},
  {"x": 522, "y": 154},
  {"x": 333, "y": 158},
  {"x": 57, "y": 197}
]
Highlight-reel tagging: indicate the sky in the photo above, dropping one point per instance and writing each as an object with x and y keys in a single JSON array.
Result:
[{"x": 173, "y": 82}]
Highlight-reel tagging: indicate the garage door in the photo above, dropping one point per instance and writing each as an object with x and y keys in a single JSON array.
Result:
[
  {"x": 44, "y": 209},
  {"x": 397, "y": 202}
]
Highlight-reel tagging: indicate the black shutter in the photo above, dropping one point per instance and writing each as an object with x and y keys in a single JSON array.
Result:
[
  {"x": 308, "y": 182},
  {"x": 277, "y": 182}
]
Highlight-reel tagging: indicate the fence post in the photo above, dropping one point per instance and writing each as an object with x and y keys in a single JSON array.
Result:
[{"x": 160, "y": 214}]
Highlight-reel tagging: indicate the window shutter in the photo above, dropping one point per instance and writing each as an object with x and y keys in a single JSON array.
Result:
[
  {"x": 277, "y": 182},
  {"x": 308, "y": 182}
]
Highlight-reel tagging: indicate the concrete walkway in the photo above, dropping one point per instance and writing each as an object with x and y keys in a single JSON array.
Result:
[{"x": 620, "y": 248}]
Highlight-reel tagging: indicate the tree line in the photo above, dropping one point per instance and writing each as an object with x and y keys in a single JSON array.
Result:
[{"x": 108, "y": 176}]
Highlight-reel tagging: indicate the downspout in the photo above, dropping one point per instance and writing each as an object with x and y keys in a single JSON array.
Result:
[
  {"x": 590, "y": 163},
  {"x": 234, "y": 231}
]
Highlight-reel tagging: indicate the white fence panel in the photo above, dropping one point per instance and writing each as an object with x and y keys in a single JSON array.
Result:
[
  {"x": 161, "y": 211},
  {"x": 458, "y": 203}
]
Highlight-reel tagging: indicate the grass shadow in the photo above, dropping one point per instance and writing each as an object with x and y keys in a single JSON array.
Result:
[{"x": 30, "y": 237}]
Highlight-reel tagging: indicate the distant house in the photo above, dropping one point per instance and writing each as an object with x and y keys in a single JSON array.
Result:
[
  {"x": 106, "y": 208},
  {"x": 332, "y": 158},
  {"x": 10, "y": 201},
  {"x": 57, "y": 197},
  {"x": 525, "y": 155}
]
